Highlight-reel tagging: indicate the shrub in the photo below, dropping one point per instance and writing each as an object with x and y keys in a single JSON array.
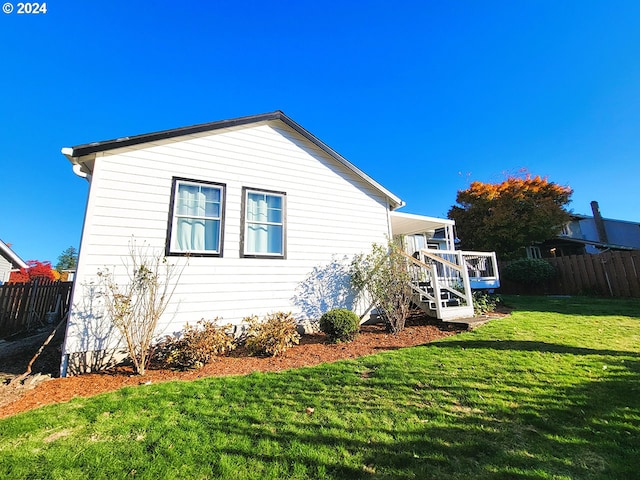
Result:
[
  {"x": 196, "y": 346},
  {"x": 529, "y": 271},
  {"x": 272, "y": 337},
  {"x": 484, "y": 303},
  {"x": 383, "y": 276},
  {"x": 340, "y": 325},
  {"x": 136, "y": 305}
]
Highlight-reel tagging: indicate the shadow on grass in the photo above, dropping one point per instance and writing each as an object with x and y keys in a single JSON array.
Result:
[
  {"x": 528, "y": 346},
  {"x": 574, "y": 305}
]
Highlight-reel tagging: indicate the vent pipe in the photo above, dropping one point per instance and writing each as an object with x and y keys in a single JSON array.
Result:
[{"x": 602, "y": 233}]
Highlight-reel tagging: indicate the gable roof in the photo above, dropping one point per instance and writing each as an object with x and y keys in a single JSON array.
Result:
[
  {"x": 75, "y": 153},
  {"x": 11, "y": 256}
]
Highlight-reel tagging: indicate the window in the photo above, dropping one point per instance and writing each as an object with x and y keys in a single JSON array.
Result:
[
  {"x": 534, "y": 252},
  {"x": 263, "y": 226},
  {"x": 197, "y": 210}
]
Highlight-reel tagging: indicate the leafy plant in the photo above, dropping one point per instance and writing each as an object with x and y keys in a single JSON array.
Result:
[
  {"x": 484, "y": 303},
  {"x": 529, "y": 271},
  {"x": 35, "y": 270},
  {"x": 135, "y": 307},
  {"x": 272, "y": 337},
  {"x": 340, "y": 325},
  {"x": 195, "y": 346},
  {"x": 506, "y": 216},
  {"x": 383, "y": 276}
]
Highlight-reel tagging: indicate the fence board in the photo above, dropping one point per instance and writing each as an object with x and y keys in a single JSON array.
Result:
[
  {"x": 632, "y": 274},
  {"x": 23, "y": 305},
  {"x": 609, "y": 274}
]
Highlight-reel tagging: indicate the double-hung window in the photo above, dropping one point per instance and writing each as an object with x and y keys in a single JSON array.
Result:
[
  {"x": 264, "y": 223},
  {"x": 197, "y": 211}
]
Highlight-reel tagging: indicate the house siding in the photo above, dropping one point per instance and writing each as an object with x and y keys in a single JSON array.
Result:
[
  {"x": 5, "y": 269},
  {"x": 331, "y": 213}
]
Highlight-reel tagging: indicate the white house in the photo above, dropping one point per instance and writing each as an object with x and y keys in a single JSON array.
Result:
[
  {"x": 9, "y": 261},
  {"x": 261, "y": 215}
]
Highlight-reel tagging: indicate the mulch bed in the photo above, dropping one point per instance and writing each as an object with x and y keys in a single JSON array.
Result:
[{"x": 312, "y": 350}]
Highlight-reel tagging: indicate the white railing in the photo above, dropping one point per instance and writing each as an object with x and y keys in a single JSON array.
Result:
[
  {"x": 443, "y": 271},
  {"x": 482, "y": 268}
]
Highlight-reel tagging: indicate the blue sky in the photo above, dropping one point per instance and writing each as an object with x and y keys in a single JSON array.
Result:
[{"x": 423, "y": 96}]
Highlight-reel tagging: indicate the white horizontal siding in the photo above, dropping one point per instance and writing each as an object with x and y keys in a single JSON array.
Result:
[
  {"x": 5, "y": 270},
  {"x": 331, "y": 213}
]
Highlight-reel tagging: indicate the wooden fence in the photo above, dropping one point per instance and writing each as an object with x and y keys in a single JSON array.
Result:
[
  {"x": 23, "y": 306},
  {"x": 612, "y": 274}
]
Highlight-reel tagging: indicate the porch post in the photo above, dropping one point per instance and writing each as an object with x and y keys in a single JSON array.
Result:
[{"x": 451, "y": 245}]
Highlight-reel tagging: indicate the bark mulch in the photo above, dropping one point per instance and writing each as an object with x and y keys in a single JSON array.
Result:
[{"x": 42, "y": 389}]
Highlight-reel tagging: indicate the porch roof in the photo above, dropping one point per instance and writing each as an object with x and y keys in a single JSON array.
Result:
[{"x": 409, "y": 223}]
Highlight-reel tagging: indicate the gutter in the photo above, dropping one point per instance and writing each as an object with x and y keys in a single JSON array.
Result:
[{"x": 78, "y": 168}]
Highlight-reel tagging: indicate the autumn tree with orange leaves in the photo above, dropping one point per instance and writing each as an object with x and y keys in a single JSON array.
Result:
[{"x": 506, "y": 217}]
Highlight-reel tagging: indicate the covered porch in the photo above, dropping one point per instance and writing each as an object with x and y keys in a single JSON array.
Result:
[{"x": 442, "y": 277}]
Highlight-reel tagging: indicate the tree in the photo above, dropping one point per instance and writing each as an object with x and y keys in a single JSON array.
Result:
[
  {"x": 506, "y": 217},
  {"x": 35, "y": 269},
  {"x": 68, "y": 260}
]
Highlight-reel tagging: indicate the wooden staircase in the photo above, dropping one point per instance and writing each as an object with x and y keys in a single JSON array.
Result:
[{"x": 440, "y": 286}]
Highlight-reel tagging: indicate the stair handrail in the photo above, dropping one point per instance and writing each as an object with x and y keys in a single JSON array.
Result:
[{"x": 460, "y": 267}]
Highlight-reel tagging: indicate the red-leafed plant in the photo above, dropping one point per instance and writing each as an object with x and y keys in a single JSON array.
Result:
[{"x": 35, "y": 269}]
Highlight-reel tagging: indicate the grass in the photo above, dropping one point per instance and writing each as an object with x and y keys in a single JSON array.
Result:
[{"x": 552, "y": 392}]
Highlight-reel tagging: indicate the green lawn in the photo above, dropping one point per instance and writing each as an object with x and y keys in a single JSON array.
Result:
[{"x": 551, "y": 392}]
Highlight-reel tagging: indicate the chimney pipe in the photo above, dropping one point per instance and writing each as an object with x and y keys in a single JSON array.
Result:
[{"x": 602, "y": 233}]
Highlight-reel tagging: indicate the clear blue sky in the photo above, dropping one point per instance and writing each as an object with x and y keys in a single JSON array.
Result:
[{"x": 423, "y": 96}]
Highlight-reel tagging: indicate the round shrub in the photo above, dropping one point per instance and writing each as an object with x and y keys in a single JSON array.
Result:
[
  {"x": 529, "y": 271},
  {"x": 340, "y": 325}
]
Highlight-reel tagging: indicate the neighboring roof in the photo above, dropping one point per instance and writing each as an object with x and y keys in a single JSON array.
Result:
[
  {"x": 11, "y": 256},
  {"x": 409, "y": 223},
  {"x": 594, "y": 243},
  {"x": 578, "y": 216},
  {"x": 95, "y": 147}
]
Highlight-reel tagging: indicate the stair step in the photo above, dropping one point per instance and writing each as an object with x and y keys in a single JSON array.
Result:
[{"x": 454, "y": 302}]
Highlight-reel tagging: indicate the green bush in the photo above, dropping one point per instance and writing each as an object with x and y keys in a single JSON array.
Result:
[
  {"x": 195, "y": 346},
  {"x": 484, "y": 303},
  {"x": 340, "y": 325},
  {"x": 272, "y": 337},
  {"x": 529, "y": 271}
]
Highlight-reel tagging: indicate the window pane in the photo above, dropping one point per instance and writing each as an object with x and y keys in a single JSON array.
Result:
[
  {"x": 274, "y": 216},
  {"x": 256, "y": 207},
  {"x": 275, "y": 239},
  {"x": 212, "y": 209},
  {"x": 274, "y": 201},
  {"x": 212, "y": 235},
  {"x": 257, "y": 239}
]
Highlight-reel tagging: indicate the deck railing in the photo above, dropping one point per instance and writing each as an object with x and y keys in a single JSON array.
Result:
[{"x": 482, "y": 268}]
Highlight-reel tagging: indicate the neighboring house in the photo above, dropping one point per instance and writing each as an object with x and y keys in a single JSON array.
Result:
[
  {"x": 588, "y": 235},
  {"x": 9, "y": 262},
  {"x": 261, "y": 216}
]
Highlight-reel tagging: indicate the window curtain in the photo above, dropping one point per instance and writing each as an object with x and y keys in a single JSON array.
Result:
[
  {"x": 257, "y": 234},
  {"x": 191, "y": 231}
]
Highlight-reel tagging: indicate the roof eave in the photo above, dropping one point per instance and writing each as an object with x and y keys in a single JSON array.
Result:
[{"x": 12, "y": 256}]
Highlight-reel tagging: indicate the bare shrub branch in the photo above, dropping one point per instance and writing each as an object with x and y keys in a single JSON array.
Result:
[{"x": 136, "y": 305}]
